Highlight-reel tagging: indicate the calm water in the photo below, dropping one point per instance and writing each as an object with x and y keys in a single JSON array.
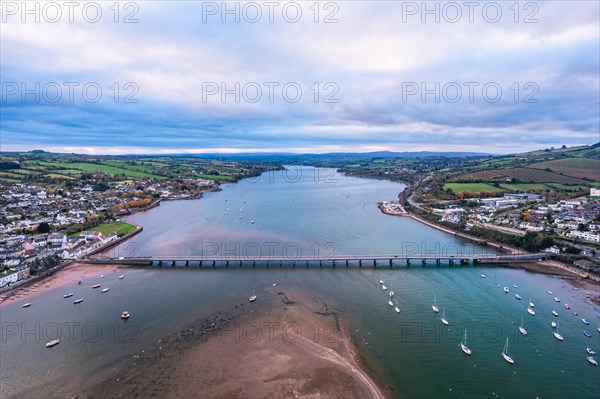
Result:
[{"x": 413, "y": 353}]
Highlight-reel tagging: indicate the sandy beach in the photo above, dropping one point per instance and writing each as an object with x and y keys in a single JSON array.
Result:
[{"x": 283, "y": 345}]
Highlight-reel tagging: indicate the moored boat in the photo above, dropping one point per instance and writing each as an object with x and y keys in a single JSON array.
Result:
[
  {"x": 70, "y": 294},
  {"x": 531, "y": 311},
  {"x": 557, "y": 334},
  {"x": 522, "y": 329},
  {"x": 52, "y": 343},
  {"x": 76, "y": 301},
  {"x": 518, "y": 297},
  {"x": 587, "y": 334},
  {"x": 557, "y": 299},
  {"x": 554, "y": 313},
  {"x": 506, "y": 290},
  {"x": 121, "y": 276},
  {"x": 567, "y": 306},
  {"x": 586, "y": 322},
  {"x": 105, "y": 290},
  {"x": 463, "y": 345},
  {"x": 96, "y": 285},
  {"x": 125, "y": 315},
  {"x": 28, "y": 304},
  {"x": 444, "y": 317},
  {"x": 592, "y": 360},
  {"x": 505, "y": 354},
  {"x": 434, "y": 306},
  {"x": 590, "y": 351}
]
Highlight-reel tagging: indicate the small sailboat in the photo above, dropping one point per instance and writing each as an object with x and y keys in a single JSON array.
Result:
[
  {"x": 550, "y": 292},
  {"x": 522, "y": 329},
  {"x": 444, "y": 317},
  {"x": 592, "y": 360},
  {"x": 76, "y": 301},
  {"x": 531, "y": 311},
  {"x": 567, "y": 306},
  {"x": 121, "y": 277},
  {"x": 463, "y": 345},
  {"x": 52, "y": 343},
  {"x": 531, "y": 304},
  {"x": 391, "y": 291},
  {"x": 396, "y": 308},
  {"x": 515, "y": 286},
  {"x": 575, "y": 313},
  {"x": 553, "y": 324},
  {"x": 518, "y": 297},
  {"x": 102, "y": 276},
  {"x": 557, "y": 299},
  {"x": 590, "y": 351},
  {"x": 505, "y": 354},
  {"x": 96, "y": 286},
  {"x": 557, "y": 334},
  {"x": 105, "y": 290},
  {"x": 253, "y": 297},
  {"x": 381, "y": 280},
  {"x": 391, "y": 303},
  {"x": 598, "y": 327},
  {"x": 28, "y": 304},
  {"x": 482, "y": 275},
  {"x": 383, "y": 287},
  {"x": 587, "y": 334},
  {"x": 125, "y": 315},
  {"x": 554, "y": 313},
  {"x": 70, "y": 294},
  {"x": 586, "y": 322},
  {"x": 434, "y": 307},
  {"x": 506, "y": 290}
]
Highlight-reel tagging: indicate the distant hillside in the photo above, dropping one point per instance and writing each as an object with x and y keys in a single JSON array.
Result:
[{"x": 339, "y": 156}]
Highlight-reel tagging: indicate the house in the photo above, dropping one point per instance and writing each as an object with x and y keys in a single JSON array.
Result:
[
  {"x": 553, "y": 250},
  {"x": 585, "y": 235},
  {"x": 587, "y": 265},
  {"x": 57, "y": 239}
]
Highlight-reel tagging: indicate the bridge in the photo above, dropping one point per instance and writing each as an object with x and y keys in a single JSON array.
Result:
[{"x": 385, "y": 260}]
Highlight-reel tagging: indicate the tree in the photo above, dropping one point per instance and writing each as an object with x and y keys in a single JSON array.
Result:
[{"x": 43, "y": 228}]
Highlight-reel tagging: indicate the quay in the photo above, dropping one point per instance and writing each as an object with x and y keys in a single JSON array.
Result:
[{"x": 374, "y": 261}]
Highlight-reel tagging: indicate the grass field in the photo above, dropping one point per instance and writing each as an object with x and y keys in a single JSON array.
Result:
[
  {"x": 213, "y": 177},
  {"x": 528, "y": 175},
  {"x": 120, "y": 228},
  {"x": 576, "y": 167},
  {"x": 524, "y": 186},
  {"x": 471, "y": 187}
]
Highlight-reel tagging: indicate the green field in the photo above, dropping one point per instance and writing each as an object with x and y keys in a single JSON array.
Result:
[
  {"x": 524, "y": 186},
  {"x": 527, "y": 175},
  {"x": 120, "y": 228},
  {"x": 213, "y": 177},
  {"x": 576, "y": 167},
  {"x": 471, "y": 188}
]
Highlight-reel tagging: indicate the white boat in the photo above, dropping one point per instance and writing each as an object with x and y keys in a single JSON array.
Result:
[
  {"x": 125, "y": 315},
  {"x": 383, "y": 287},
  {"x": 554, "y": 313},
  {"x": 434, "y": 307},
  {"x": 531, "y": 304},
  {"x": 575, "y": 313},
  {"x": 482, "y": 275},
  {"x": 557, "y": 334},
  {"x": 444, "y": 317},
  {"x": 121, "y": 276},
  {"x": 463, "y": 345},
  {"x": 518, "y": 297},
  {"x": 274, "y": 285},
  {"x": 70, "y": 294},
  {"x": 531, "y": 311},
  {"x": 598, "y": 327},
  {"x": 586, "y": 322},
  {"x": 391, "y": 291},
  {"x": 522, "y": 329},
  {"x": 556, "y": 299},
  {"x": 105, "y": 290},
  {"x": 553, "y": 324},
  {"x": 96, "y": 286},
  {"x": 102, "y": 276},
  {"x": 515, "y": 286},
  {"x": 27, "y": 305},
  {"x": 550, "y": 292},
  {"x": 592, "y": 360},
  {"x": 52, "y": 343},
  {"x": 253, "y": 297},
  {"x": 397, "y": 309},
  {"x": 590, "y": 351},
  {"x": 391, "y": 303},
  {"x": 506, "y": 290},
  {"x": 381, "y": 280},
  {"x": 587, "y": 334},
  {"x": 505, "y": 354},
  {"x": 76, "y": 301}
]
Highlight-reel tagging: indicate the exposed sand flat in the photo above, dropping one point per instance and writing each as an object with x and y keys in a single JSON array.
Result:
[{"x": 286, "y": 348}]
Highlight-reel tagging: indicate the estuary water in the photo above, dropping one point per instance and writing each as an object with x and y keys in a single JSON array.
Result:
[{"x": 313, "y": 212}]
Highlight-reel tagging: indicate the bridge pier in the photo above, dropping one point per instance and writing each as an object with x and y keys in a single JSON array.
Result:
[
  {"x": 227, "y": 263},
  {"x": 187, "y": 263},
  {"x": 334, "y": 263},
  {"x": 391, "y": 264},
  {"x": 240, "y": 263},
  {"x": 408, "y": 262},
  {"x": 321, "y": 263},
  {"x": 200, "y": 264},
  {"x": 160, "y": 263},
  {"x": 254, "y": 263},
  {"x": 437, "y": 262},
  {"x": 451, "y": 261},
  {"x": 294, "y": 264},
  {"x": 375, "y": 263},
  {"x": 424, "y": 262},
  {"x": 213, "y": 263},
  {"x": 360, "y": 263}
]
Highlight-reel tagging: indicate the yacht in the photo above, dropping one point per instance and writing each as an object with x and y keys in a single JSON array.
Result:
[
  {"x": 76, "y": 301},
  {"x": 28, "y": 304},
  {"x": 96, "y": 286},
  {"x": 531, "y": 311},
  {"x": 52, "y": 343},
  {"x": 482, "y": 275},
  {"x": 434, "y": 307},
  {"x": 125, "y": 315},
  {"x": 253, "y": 297},
  {"x": 381, "y": 280},
  {"x": 515, "y": 286},
  {"x": 397, "y": 309},
  {"x": 553, "y": 324},
  {"x": 556, "y": 299},
  {"x": 586, "y": 322},
  {"x": 463, "y": 345},
  {"x": 557, "y": 335},
  {"x": 592, "y": 360},
  {"x": 383, "y": 287},
  {"x": 391, "y": 291},
  {"x": 105, "y": 290},
  {"x": 554, "y": 313},
  {"x": 391, "y": 303},
  {"x": 506, "y": 290},
  {"x": 522, "y": 329},
  {"x": 70, "y": 294},
  {"x": 531, "y": 304},
  {"x": 587, "y": 334},
  {"x": 590, "y": 351},
  {"x": 444, "y": 317},
  {"x": 550, "y": 292},
  {"x": 505, "y": 354},
  {"x": 518, "y": 296},
  {"x": 121, "y": 277},
  {"x": 567, "y": 306}
]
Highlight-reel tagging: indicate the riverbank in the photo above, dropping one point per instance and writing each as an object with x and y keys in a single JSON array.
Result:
[{"x": 286, "y": 344}]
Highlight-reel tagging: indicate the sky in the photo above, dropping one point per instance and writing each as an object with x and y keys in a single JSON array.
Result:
[{"x": 153, "y": 77}]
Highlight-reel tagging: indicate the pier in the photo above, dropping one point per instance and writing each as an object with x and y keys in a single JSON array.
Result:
[{"x": 338, "y": 261}]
